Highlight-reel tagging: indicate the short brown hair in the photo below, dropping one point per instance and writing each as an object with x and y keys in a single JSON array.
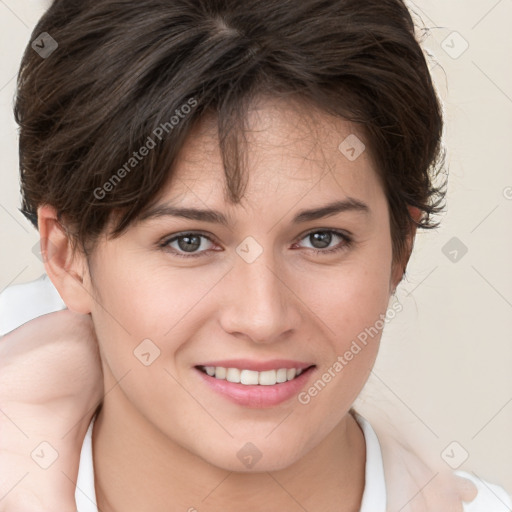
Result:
[{"x": 123, "y": 68}]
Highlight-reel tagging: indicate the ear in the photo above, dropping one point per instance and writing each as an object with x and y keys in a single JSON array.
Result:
[
  {"x": 67, "y": 269},
  {"x": 400, "y": 266}
]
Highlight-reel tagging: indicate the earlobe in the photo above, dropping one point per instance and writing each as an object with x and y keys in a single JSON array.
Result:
[
  {"x": 66, "y": 268},
  {"x": 415, "y": 214}
]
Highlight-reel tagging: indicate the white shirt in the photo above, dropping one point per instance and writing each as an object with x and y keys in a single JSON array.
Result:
[{"x": 21, "y": 303}]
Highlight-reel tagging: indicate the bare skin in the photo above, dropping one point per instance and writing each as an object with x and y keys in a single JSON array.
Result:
[
  {"x": 175, "y": 439},
  {"x": 50, "y": 382},
  {"x": 192, "y": 434},
  {"x": 45, "y": 373}
]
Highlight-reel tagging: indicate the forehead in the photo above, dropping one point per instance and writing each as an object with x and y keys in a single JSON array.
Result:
[{"x": 291, "y": 151}]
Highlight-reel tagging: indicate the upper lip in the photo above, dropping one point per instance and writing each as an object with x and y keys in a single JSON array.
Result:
[{"x": 258, "y": 366}]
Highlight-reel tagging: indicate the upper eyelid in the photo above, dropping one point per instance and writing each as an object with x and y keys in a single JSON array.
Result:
[
  {"x": 338, "y": 231},
  {"x": 165, "y": 240}
]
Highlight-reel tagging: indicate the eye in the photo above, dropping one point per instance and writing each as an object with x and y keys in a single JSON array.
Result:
[
  {"x": 187, "y": 245},
  {"x": 195, "y": 244},
  {"x": 322, "y": 239}
]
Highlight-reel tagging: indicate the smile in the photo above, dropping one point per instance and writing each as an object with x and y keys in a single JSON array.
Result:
[{"x": 255, "y": 384}]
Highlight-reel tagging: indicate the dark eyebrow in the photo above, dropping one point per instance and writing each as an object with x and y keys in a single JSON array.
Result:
[
  {"x": 187, "y": 213},
  {"x": 217, "y": 217},
  {"x": 346, "y": 205}
]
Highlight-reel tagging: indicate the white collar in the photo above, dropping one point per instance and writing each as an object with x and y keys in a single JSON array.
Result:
[
  {"x": 374, "y": 495},
  {"x": 85, "y": 494}
]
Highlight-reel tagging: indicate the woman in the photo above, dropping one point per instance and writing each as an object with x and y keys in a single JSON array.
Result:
[{"x": 227, "y": 197}]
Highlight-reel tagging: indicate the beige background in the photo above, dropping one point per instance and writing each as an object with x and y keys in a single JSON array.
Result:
[{"x": 444, "y": 370}]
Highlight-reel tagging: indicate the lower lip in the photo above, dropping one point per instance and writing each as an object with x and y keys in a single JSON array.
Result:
[{"x": 257, "y": 396}]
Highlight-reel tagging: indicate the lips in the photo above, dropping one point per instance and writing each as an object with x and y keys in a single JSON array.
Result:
[{"x": 255, "y": 384}]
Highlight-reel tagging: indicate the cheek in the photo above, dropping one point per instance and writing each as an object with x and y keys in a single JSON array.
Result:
[
  {"x": 137, "y": 302},
  {"x": 351, "y": 297},
  {"x": 142, "y": 294},
  {"x": 351, "y": 303},
  {"x": 353, "y": 312}
]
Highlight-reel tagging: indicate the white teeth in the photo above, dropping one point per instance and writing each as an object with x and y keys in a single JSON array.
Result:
[
  {"x": 267, "y": 378},
  {"x": 220, "y": 372},
  {"x": 281, "y": 375},
  {"x": 290, "y": 373},
  {"x": 251, "y": 377},
  {"x": 233, "y": 375}
]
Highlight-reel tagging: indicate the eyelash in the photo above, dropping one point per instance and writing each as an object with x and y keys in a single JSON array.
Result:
[{"x": 347, "y": 242}]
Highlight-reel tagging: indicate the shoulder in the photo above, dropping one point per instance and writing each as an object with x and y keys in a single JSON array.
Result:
[
  {"x": 22, "y": 302},
  {"x": 490, "y": 497}
]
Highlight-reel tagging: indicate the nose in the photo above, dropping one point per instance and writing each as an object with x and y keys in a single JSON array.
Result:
[{"x": 257, "y": 303}]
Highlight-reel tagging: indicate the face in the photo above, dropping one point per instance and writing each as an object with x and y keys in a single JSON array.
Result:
[{"x": 271, "y": 291}]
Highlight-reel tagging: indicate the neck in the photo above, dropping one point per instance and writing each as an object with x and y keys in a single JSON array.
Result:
[{"x": 138, "y": 468}]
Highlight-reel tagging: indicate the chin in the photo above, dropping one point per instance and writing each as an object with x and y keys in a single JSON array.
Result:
[{"x": 252, "y": 457}]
